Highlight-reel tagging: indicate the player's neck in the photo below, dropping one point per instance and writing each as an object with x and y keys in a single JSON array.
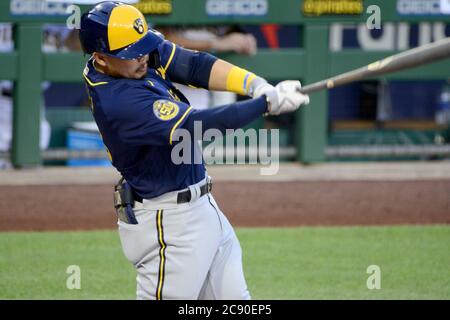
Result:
[{"x": 98, "y": 68}]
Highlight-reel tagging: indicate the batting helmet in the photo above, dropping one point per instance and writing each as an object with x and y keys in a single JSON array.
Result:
[{"x": 118, "y": 30}]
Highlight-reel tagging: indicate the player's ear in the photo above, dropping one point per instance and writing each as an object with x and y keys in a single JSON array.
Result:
[{"x": 100, "y": 59}]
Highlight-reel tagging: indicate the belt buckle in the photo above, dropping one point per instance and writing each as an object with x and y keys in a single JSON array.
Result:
[
  {"x": 209, "y": 184},
  {"x": 117, "y": 199}
]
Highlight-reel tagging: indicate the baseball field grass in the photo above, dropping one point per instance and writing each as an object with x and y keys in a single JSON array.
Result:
[{"x": 280, "y": 263}]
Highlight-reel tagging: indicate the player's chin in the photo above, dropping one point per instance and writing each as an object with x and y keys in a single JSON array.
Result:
[{"x": 140, "y": 73}]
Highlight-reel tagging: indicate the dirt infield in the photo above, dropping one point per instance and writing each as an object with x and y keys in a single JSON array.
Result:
[{"x": 291, "y": 203}]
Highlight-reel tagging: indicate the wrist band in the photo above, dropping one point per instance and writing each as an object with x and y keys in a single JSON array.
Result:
[{"x": 238, "y": 80}]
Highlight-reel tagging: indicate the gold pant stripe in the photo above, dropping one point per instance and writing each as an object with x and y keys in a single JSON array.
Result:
[{"x": 162, "y": 262}]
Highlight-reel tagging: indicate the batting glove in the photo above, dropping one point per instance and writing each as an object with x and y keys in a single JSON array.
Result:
[
  {"x": 259, "y": 87},
  {"x": 283, "y": 98},
  {"x": 289, "y": 98}
]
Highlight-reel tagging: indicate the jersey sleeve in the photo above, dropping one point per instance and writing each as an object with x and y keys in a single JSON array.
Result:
[
  {"x": 185, "y": 66},
  {"x": 149, "y": 121}
]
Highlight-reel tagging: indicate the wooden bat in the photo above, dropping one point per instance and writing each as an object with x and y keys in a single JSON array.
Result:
[{"x": 408, "y": 59}]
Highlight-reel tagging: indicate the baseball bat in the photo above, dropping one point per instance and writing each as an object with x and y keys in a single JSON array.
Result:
[{"x": 408, "y": 59}]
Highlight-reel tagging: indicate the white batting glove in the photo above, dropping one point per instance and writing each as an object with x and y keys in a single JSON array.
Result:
[
  {"x": 258, "y": 87},
  {"x": 289, "y": 98},
  {"x": 283, "y": 98}
]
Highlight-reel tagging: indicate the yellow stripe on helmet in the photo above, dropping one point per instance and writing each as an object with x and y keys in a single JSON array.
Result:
[{"x": 126, "y": 25}]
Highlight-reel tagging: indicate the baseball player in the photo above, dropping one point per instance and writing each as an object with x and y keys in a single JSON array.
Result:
[{"x": 170, "y": 227}]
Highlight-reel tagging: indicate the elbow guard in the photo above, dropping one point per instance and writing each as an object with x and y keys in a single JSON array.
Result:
[{"x": 192, "y": 67}]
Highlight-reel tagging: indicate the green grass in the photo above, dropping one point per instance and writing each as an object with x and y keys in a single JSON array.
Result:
[{"x": 280, "y": 263}]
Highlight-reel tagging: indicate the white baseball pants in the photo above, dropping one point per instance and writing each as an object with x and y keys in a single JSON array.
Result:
[{"x": 184, "y": 251}]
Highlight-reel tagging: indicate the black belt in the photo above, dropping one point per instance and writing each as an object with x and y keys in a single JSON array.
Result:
[
  {"x": 124, "y": 198},
  {"x": 186, "y": 196}
]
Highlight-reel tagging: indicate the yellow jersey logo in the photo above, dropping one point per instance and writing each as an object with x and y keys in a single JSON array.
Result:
[{"x": 165, "y": 109}]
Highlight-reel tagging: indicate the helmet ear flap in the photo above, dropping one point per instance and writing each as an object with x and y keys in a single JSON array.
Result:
[{"x": 154, "y": 62}]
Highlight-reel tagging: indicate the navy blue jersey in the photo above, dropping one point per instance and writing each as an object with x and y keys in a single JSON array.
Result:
[{"x": 137, "y": 120}]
